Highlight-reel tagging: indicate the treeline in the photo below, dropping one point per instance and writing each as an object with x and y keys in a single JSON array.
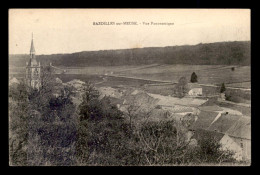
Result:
[{"x": 225, "y": 53}]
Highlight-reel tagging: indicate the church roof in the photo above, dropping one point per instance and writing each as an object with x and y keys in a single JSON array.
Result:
[
  {"x": 193, "y": 85},
  {"x": 32, "y": 47}
]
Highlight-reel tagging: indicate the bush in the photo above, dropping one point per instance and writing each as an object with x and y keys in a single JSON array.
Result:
[
  {"x": 223, "y": 88},
  {"x": 194, "y": 78}
]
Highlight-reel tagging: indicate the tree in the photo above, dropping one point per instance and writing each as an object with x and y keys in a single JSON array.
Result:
[
  {"x": 101, "y": 131},
  {"x": 210, "y": 150},
  {"x": 42, "y": 125},
  {"x": 193, "y": 78},
  {"x": 222, "y": 88},
  {"x": 18, "y": 124},
  {"x": 181, "y": 88}
]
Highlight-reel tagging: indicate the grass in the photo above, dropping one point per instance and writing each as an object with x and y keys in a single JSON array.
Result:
[{"x": 207, "y": 74}]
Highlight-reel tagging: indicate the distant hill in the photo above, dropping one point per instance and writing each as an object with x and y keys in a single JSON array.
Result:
[{"x": 225, "y": 53}]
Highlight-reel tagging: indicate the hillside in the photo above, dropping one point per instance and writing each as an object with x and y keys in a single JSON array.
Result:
[{"x": 224, "y": 53}]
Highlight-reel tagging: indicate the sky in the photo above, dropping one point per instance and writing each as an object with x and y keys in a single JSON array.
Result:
[{"x": 72, "y": 30}]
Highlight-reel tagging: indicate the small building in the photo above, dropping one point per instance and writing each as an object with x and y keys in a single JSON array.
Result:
[{"x": 194, "y": 89}]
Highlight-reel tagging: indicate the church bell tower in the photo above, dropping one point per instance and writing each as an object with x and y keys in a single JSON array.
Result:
[{"x": 33, "y": 69}]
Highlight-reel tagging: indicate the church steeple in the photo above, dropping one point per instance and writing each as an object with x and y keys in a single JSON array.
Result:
[
  {"x": 33, "y": 69},
  {"x": 32, "y": 50}
]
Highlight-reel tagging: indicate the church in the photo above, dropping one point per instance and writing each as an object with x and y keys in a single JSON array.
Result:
[{"x": 33, "y": 70}]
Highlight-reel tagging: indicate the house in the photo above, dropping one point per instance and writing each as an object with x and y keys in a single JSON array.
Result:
[
  {"x": 179, "y": 109},
  {"x": 139, "y": 102},
  {"x": 223, "y": 123},
  {"x": 238, "y": 139},
  {"x": 108, "y": 91},
  {"x": 194, "y": 89},
  {"x": 204, "y": 120},
  {"x": 141, "y": 99},
  {"x": 171, "y": 101},
  {"x": 234, "y": 129}
]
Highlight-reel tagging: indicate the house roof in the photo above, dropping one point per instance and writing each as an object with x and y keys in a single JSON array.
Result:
[
  {"x": 179, "y": 109},
  {"x": 204, "y": 120},
  {"x": 141, "y": 98},
  {"x": 201, "y": 133},
  {"x": 223, "y": 123},
  {"x": 32, "y": 50},
  {"x": 115, "y": 101},
  {"x": 210, "y": 102},
  {"x": 158, "y": 115},
  {"x": 241, "y": 128},
  {"x": 170, "y": 101},
  {"x": 193, "y": 85},
  {"x": 210, "y": 108}
]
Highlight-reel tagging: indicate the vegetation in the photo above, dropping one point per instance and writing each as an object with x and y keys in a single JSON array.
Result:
[
  {"x": 42, "y": 126},
  {"x": 222, "y": 88},
  {"x": 222, "y": 53},
  {"x": 47, "y": 129},
  {"x": 194, "y": 78},
  {"x": 181, "y": 88}
]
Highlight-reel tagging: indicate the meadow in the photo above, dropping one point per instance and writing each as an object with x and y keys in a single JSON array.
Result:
[
  {"x": 207, "y": 74},
  {"x": 232, "y": 76}
]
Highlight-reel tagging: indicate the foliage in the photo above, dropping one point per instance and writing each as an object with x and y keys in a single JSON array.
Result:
[
  {"x": 222, "y": 88},
  {"x": 42, "y": 125},
  {"x": 49, "y": 130},
  {"x": 181, "y": 88},
  {"x": 18, "y": 124},
  {"x": 222, "y": 53},
  {"x": 194, "y": 78},
  {"x": 210, "y": 151},
  {"x": 105, "y": 139}
]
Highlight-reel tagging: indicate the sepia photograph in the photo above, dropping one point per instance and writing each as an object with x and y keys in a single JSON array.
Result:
[{"x": 129, "y": 87}]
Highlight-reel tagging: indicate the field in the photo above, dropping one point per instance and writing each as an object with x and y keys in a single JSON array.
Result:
[
  {"x": 232, "y": 76},
  {"x": 240, "y": 85},
  {"x": 207, "y": 74}
]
